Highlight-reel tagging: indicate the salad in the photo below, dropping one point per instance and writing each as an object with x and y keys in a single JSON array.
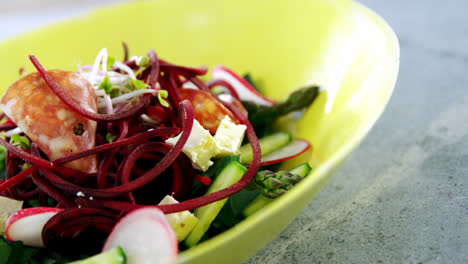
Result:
[{"x": 133, "y": 161}]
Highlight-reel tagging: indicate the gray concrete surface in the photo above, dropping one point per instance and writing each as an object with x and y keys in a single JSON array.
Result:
[{"x": 402, "y": 196}]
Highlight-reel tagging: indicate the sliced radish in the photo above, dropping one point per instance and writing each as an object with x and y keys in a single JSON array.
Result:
[
  {"x": 291, "y": 150},
  {"x": 245, "y": 91},
  {"x": 27, "y": 224},
  {"x": 145, "y": 236}
]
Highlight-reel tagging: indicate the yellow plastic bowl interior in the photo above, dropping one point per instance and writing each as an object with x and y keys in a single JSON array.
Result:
[{"x": 285, "y": 44}]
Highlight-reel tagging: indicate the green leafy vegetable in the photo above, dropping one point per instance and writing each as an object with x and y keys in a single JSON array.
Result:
[
  {"x": 17, "y": 253},
  {"x": 249, "y": 79},
  {"x": 5, "y": 251},
  {"x": 33, "y": 203},
  {"x": 23, "y": 142},
  {"x": 231, "y": 214}
]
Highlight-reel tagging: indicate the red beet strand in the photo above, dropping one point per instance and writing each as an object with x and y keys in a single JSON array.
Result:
[
  {"x": 125, "y": 48},
  {"x": 120, "y": 143},
  {"x": 45, "y": 186},
  {"x": 154, "y": 74},
  {"x": 224, "y": 84},
  {"x": 17, "y": 178}
]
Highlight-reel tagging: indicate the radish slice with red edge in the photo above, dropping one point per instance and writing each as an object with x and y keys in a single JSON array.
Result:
[
  {"x": 26, "y": 225},
  {"x": 145, "y": 236},
  {"x": 289, "y": 151},
  {"x": 245, "y": 91}
]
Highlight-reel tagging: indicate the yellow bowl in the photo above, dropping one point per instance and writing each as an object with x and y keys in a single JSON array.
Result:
[{"x": 342, "y": 46}]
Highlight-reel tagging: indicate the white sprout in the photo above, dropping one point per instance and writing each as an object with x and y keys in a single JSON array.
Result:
[
  {"x": 125, "y": 97},
  {"x": 101, "y": 58},
  {"x": 126, "y": 69},
  {"x": 148, "y": 119},
  {"x": 11, "y": 132}
]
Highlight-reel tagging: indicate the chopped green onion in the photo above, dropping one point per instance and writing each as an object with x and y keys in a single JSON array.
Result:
[
  {"x": 162, "y": 94},
  {"x": 17, "y": 140},
  {"x": 110, "y": 138},
  {"x": 110, "y": 62},
  {"x": 106, "y": 85},
  {"x": 25, "y": 166},
  {"x": 138, "y": 84},
  {"x": 114, "y": 93}
]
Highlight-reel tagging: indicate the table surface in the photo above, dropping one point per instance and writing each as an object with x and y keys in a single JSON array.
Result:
[{"x": 402, "y": 196}]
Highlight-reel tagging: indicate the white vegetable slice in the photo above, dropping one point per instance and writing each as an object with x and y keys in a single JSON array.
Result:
[
  {"x": 145, "y": 236},
  {"x": 26, "y": 225},
  {"x": 291, "y": 150},
  {"x": 245, "y": 91},
  {"x": 7, "y": 207}
]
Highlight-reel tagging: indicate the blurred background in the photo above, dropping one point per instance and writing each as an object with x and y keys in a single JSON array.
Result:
[{"x": 402, "y": 196}]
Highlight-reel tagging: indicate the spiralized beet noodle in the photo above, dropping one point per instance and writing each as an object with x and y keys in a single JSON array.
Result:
[{"x": 99, "y": 200}]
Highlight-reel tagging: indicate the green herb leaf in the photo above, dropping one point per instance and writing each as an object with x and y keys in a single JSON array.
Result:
[
  {"x": 249, "y": 79},
  {"x": 231, "y": 213},
  {"x": 138, "y": 84},
  {"x": 110, "y": 62},
  {"x": 106, "y": 85},
  {"x": 18, "y": 253},
  {"x": 33, "y": 203},
  {"x": 110, "y": 138},
  {"x": 26, "y": 254},
  {"x": 114, "y": 93},
  {"x": 5, "y": 250},
  {"x": 23, "y": 142},
  {"x": 2, "y": 161},
  {"x": 162, "y": 94}
]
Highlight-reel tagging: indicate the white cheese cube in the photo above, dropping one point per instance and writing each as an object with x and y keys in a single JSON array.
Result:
[
  {"x": 229, "y": 137},
  {"x": 181, "y": 222},
  {"x": 200, "y": 146}
]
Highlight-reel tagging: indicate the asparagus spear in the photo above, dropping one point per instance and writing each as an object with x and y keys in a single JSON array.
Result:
[
  {"x": 299, "y": 99},
  {"x": 273, "y": 184},
  {"x": 267, "y": 180}
]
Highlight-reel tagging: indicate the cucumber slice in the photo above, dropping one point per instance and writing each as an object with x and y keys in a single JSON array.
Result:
[
  {"x": 268, "y": 144},
  {"x": 302, "y": 170},
  {"x": 111, "y": 256},
  {"x": 229, "y": 175},
  {"x": 261, "y": 201},
  {"x": 258, "y": 203}
]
